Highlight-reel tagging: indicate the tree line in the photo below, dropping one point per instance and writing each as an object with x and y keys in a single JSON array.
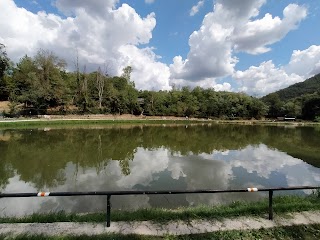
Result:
[
  {"x": 301, "y": 100},
  {"x": 42, "y": 85}
]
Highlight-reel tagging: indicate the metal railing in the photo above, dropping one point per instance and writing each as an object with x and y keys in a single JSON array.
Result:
[{"x": 163, "y": 192}]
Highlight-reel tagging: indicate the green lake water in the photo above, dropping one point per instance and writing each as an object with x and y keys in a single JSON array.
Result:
[{"x": 164, "y": 157}]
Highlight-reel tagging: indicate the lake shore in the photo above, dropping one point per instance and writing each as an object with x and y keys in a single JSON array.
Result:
[
  {"x": 302, "y": 225},
  {"x": 49, "y": 120},
  {"x": 282, "y": 205},
  {"x": 294, "y": 217}
]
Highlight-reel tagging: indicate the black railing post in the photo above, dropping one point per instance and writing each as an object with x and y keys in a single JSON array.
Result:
[
  {"x": 108, "y": 210},
  {"x": 270, "y": 205}
]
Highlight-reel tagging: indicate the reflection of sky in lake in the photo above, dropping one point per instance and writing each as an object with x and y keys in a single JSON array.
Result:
[
  {"x": 157, "y": 169},
  {"x": 272, "y": 167}
]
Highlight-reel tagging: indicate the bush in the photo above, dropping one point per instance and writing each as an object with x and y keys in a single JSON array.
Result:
[{"x": 317, "y": 119}]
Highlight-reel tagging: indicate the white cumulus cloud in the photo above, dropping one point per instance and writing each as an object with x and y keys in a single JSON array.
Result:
[
  {"x": 255, "y": 36},
  {"x": 151, "y": 73},
  {"x": 96, "y": 7},
  {"x": 96, "y": 30},
  {"x": 232, "y": 26},
  {"x": 305, "y": 62},
  {"x": 206, "y": 83},
  {"x": 267, "y": 78},
  {"x": 195, "y": 9}
]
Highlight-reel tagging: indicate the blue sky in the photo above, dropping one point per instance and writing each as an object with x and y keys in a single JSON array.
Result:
[
  {"x": 254, "y": 46},
  {"x": 175, "y": 25}
]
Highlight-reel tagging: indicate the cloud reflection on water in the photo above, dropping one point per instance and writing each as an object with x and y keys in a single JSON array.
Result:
[{"x": 159, "y": 168}]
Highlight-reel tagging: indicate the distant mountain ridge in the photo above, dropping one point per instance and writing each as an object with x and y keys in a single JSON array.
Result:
[{"x": 308, "y": 86}]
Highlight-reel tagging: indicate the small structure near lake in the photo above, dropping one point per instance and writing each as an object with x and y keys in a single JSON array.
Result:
[{"x": 286, "y": 118}]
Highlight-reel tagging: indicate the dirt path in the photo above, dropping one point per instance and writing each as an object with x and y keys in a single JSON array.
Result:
[{"x": 157, "y": 229}]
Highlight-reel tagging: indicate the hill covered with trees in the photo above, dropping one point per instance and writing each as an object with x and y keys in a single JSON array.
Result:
[
  {"x": 309, "y": 86},
  {"x": 300, "y": 100}
]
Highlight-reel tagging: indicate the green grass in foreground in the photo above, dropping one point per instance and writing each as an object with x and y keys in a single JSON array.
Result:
[
  {"x": 282, "y": 204},
  {"x": 283, "y": 233}
]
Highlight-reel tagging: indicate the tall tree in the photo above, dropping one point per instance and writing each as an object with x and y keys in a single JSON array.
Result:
[
  {"x": 100, "y": 81},
  {"x": 275, "y": 104},
  {"x": 4, "y": 60},
  {"x": 26, "y": 88},
  {"x": 311, "y": 108},
  {"x": 38, "y": 82},
  {"x": 4, "y": 65},
  {"x": 83, "y": 100},
  {"x": 78, "y": 80},
  {"x": 126, "y": 73},
  {"x": 49, "y": 74}
]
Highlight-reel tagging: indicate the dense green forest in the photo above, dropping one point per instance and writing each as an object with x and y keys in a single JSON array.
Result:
[
  {"x": 309, "y": 86},
  {"x": 42, "y": 85},
  {"x": 300, "y": 100}
]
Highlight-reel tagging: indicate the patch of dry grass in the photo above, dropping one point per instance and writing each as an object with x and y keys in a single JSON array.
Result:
[{"x": 4, "y": 106}]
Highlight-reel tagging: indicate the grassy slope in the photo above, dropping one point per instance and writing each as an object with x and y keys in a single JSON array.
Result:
[{"x": 282, "y": 204}]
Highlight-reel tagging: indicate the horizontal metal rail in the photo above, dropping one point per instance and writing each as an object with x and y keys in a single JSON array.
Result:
[
  {"x": 163, "y": 192},
  {"x": 105, "y": 193}
]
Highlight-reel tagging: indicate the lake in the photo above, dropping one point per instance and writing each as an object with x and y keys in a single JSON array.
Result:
[{"x": 142, "y": 157}]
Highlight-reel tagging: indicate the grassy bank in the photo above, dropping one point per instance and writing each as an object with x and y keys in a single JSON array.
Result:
[
  {"x": 281, "y": 233},
  {"x": 84, "y": 122},
  {"x": 282, "y": 205},
  {"x": 32, "y": 123}
]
